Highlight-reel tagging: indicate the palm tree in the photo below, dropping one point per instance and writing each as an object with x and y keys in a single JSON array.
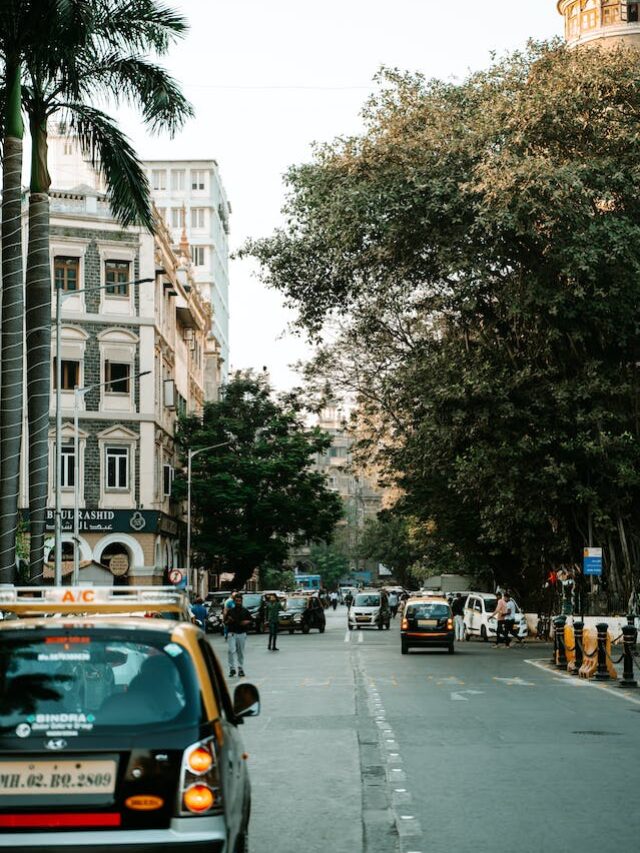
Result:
[
  {"x": 11, "y": 38},
  {"x": 104, "y": 56},
  {"x": 70, "y": 52}
]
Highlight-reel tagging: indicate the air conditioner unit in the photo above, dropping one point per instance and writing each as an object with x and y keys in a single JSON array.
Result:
[
  {"x": 169, "y": 393},
  {"x": 187, "y": 335}
]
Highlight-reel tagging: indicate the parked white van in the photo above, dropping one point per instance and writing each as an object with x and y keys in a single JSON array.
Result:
[{"x": 477, "y": 622}]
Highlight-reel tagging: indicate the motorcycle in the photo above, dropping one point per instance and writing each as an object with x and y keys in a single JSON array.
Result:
[{"x": 214, "y": 623}]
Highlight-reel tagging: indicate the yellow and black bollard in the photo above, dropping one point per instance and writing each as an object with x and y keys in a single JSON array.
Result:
[
  {"x": 578, "y": 628},
  {"x": 603, "y": 673},
  {"x": 629, "y": 637},
  {"x": 558, "y": 633}
]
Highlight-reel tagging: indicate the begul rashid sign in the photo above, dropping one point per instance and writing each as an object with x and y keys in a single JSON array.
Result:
[{"x": 108, "y": 520}]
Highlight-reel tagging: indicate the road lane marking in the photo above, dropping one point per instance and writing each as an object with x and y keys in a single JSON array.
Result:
[
  {"x": 347, "y": 637},
  {"x": 511, "y": 681},
  {"x": 361, "y": 637},
  {"x": 459, "y": 696},
  {"x": 620, "y": 692}
]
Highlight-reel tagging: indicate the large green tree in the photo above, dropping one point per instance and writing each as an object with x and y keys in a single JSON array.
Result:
[
  {"x": 257, "y": 496},
  {"x": 482, "y": 240}
]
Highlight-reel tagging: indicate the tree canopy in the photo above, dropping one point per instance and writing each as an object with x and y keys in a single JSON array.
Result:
[
  {"x": 256, "y": 496},
  {"x": 478, "y": 248}
]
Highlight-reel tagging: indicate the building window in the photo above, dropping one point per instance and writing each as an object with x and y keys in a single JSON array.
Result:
[
  {"x": 197, "y": 217},
  {"x": 68, "y": 148},
  {"x": 69, "y": 374},
  {"x": 197, "y": 179},
  {"x": 176, "y": 217},
  {"x": 633, "y": 12},
  {"x": 117, "y": 377},
  {"x": 198, "y": 255},
  {"x": 158, "y": 179},
  {"x": 177, "y": 179},
  {"x": 181, "y": 405},
  {"x": 117, "y": 278},
  {"x": 117, "y": 459},
  {"x": 68, "y": 479},
  {"x": 66, "y": 272},
  {"x": 167, "y": 480}
]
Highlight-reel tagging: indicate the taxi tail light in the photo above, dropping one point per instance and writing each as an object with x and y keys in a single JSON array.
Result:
[
  {"x": 405, "y": 625},
  {"x": 200, "y": 780},
  {"x": 450, "y": 624}
]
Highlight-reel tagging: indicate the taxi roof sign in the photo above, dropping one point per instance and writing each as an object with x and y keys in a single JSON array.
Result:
[{"x": 33, "y": 600}]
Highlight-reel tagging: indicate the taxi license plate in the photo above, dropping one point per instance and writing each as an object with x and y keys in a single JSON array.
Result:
[
  {"x": 362, "y": 618},
  {"x": 427, "y": 623},
  {"x": 57, "y": 777}
]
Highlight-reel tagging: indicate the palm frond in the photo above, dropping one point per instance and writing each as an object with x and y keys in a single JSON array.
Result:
[
  {"x": 111, "y": 153},
  {"x": 139, "y": 24},
  {"x": 148, "y": 86}
]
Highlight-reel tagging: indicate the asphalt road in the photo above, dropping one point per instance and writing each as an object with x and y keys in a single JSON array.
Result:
[{"x": 361, "y": 750}]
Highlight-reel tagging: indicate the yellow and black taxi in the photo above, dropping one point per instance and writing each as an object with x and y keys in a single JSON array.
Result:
[
  {"x": 427, "y": 621},
  {"x": 117, "y": 733}
]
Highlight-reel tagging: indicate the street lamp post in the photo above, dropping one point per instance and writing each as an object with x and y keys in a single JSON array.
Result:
[
  {"x": 190, "y": 456},
  {"x": 60, "y": 295},
  {"x": 77, "y": 393}
]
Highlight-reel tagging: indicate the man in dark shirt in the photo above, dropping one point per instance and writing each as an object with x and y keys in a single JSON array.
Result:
[
  {"x": 457, "y": 608},
  {"x": 237, "y": 620}
]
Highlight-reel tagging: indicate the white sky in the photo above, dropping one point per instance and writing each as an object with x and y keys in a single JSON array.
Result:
[{"x": 268, "y": 77}]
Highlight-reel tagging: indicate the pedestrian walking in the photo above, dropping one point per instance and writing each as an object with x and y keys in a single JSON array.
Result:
[
  {"x": 457, "y": 608},
  {"x": 333, "y": 598},
  {"x": 238, "y": 621},
  {"x": 273, "y": 619},
  {"x": 510, "y": 618},
  {"x": 393, "y": 603},
  {"x": 348, "y": 599},
  {"x": 500, "y": 614}
]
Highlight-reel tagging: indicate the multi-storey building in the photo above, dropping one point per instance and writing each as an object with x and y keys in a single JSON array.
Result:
[
  {"x": 601, "y": 22},
  {"x": 113, "y": 330},
  {"x": 190, "y": 196}
]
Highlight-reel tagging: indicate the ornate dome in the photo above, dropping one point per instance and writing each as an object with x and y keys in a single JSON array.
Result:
[{"x": 600, "y": 21}]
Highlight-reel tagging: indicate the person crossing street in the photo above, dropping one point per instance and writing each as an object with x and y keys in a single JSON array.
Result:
[
  {"x": 273, "y": 619},
  {"x": 500, "y": 614},
  {"x": 457, "y": 608},
  {"x": 238, "y": 620}
]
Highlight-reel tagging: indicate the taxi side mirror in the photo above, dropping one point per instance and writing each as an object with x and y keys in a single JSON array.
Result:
[{"x": 246, "y": 701}]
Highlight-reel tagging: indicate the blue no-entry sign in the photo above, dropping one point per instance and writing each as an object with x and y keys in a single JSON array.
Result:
[{"x": 592, "y": 562}]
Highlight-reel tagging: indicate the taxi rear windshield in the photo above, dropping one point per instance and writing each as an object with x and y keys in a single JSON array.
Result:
[
  {"x": 80, "y": 682},
  {"x": 428, "y": 610}
]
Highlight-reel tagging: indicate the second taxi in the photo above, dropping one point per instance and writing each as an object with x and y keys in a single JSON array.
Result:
[{"x": 427, "y": 622}]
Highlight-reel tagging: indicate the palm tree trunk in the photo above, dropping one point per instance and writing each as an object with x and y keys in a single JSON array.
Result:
[
  {"x": 11, "y": 369},
  {"x": 38, "y": 338}
]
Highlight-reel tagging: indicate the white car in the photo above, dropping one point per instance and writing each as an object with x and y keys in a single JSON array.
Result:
[
  {"x": 369, "y": 610},
  {"x": 478, "y": 622}
]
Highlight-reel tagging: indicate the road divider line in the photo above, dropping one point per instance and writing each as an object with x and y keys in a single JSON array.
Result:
[
  {"x": 361, "y": 637},
  {"x": 347, "y": 636}
]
